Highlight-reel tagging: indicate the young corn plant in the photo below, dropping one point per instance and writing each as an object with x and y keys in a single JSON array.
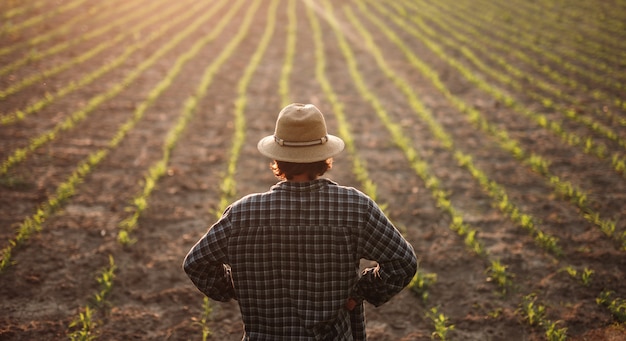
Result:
[
  {"x": 553, "y": 333},
  {"x": 441, "y": 323},
  {"x": 106, "y": 283},
  {"x": 583, "y": 276},
  {"x": 532, "y": 312},
  {"x": 204, "y": 319},
  {"x": 535, "y": 315},
  {"x": 86, "y": 327},
  {"x": 421, "y": 282},
  {"x": 498, "y": 273},
  {"x": 83, "y": 327},
  {"x": 617, "y": 306}
]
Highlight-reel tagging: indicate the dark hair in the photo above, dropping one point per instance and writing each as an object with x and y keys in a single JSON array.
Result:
[{"x": 287, "y": 170}]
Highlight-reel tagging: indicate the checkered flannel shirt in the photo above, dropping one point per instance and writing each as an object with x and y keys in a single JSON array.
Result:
[{"x": 290, "y": 257}]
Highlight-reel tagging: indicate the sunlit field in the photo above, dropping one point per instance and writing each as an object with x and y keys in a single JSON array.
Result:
[{"x": 493, "y": 134}]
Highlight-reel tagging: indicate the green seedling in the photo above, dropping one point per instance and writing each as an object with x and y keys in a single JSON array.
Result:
[
  {"x": 617, "y": 306},
  {"x": 553, "y": 333},
  {"x": 86, "y": 324},
  {"x": 498, "y": 273},
  {"x": 441, "y": 323},
  {"x": 106, "y": 283},
  {"x": 421, "y": 282},
  {"x": 533, "y": 313}
]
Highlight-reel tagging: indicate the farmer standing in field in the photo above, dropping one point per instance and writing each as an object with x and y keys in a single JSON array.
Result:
[{"x": 290, "y": 256}]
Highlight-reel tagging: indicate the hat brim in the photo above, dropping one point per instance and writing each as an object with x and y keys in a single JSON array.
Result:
[{"x": 270, "y": 148}]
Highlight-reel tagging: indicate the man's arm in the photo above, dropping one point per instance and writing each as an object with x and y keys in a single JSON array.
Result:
[
  {"x": 382, "y": 242},
  {"x": 205, "y": 264}
]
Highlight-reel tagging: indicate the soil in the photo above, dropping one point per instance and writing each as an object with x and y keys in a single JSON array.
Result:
[{"x": 54, "y": 272}]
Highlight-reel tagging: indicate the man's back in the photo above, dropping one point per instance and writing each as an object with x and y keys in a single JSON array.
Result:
[{"x": 294, "y": 260}]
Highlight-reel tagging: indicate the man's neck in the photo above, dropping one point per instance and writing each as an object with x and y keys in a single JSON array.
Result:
[{"x": 301, "y": 178}]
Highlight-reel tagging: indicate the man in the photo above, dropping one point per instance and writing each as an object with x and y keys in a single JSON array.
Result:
[{"x": 290, "y": 256}]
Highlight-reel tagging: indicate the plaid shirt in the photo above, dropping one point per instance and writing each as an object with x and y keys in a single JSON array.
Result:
[{"x": 290, "y": 257}]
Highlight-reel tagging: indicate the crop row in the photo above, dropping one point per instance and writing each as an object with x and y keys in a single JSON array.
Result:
[
  {"x": 190, "y": 105},
  {"x": 67, "y": 188},
  {"x": 527, "y": 42},
  {"x": 228, "y": 188},
  {"x": 436, "y": 132},
  {"x": 514, "y": 77},
  {"x": 35, "y": 55},
  {"x": 93, "y": 103},
  {"x": 491, "y": 187},
  {"x": 10, "y": 12},
  {"x": 588, "y": 45},
  {"x": 85, "y": 319},
  {"x": 470, "y": 34},
  {"x": 73, "y": 86},
  {"x": 496, "y": 270},
  {"x": 538, "y": 163},
  {"x": 82, "y": 17},
  {"x": 10, "y": 28}
]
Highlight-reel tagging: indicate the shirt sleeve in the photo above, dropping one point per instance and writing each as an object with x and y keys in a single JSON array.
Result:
[
  {"x": 206, "y": 263},
  {"x": 380, "y": 241}
]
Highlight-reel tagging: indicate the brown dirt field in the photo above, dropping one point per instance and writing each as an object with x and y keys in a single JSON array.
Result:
[{"x": 53, "y": 275}]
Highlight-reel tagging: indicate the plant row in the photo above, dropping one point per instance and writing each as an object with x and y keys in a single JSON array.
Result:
[
  {"x": 91, "y": 77},
  {"x": 11, "y": 12},
  {"x": 539, "y": 164},
  {"x": 93, "y": 103},
  {"x": 11, "y": 28},
  {"x": 494, "y": 189},
  {"x": 550, "y": 329},
  {"x": 67, "y": 188},
  {"x": 75, "y": 61},
  {"x": 467, "y": 30},
  {"x": 526, "y": 41},
  {"x": 190, "y": 107},
  {"x": 84, "y": 326},
  {"x": 517, "y": 79},
  {"x": 35, "y": 54},
  {"x": 590, "y": 41},
  {"x": 159, "y": 168},
  {"x": 586, "y": 144},
  {"x": 102, "y": 15}
]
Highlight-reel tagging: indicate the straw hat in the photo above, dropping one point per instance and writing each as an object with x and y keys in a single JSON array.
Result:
[{"x": 300, "y": 136}]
